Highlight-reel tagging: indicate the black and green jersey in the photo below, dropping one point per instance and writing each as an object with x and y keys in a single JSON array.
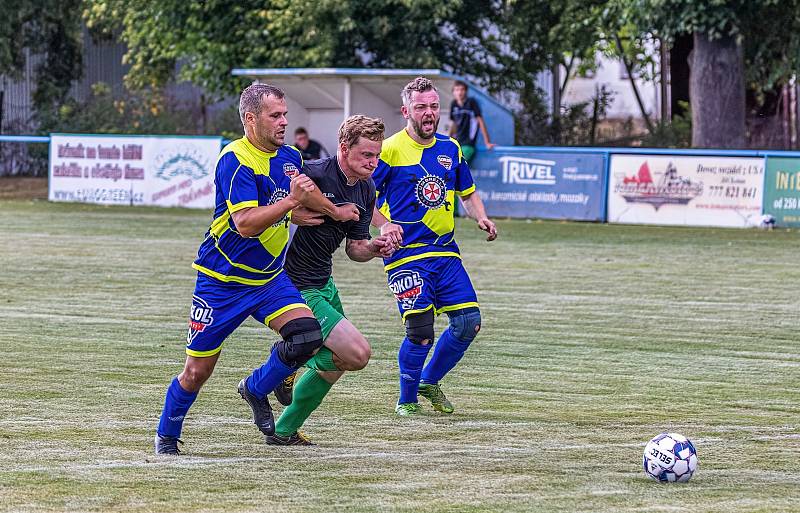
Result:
[{"x": 309, "y": 261}]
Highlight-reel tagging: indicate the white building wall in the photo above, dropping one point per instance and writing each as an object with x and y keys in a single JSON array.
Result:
[
  {"x": 611, "y": 74},
  {"x": 327, "y": 122}
]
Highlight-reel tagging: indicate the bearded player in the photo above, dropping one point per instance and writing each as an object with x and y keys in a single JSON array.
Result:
[{"x": 420, "y": 174}]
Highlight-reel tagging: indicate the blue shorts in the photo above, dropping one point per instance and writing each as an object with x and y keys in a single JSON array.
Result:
[
  {"x": 440, "y": 283},
  {"x": 218, "y": 308}
]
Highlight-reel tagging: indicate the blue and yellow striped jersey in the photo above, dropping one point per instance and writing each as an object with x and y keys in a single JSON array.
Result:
[
  {"x": 416, "y": 187},
  {"x": 247, "y": 177}
]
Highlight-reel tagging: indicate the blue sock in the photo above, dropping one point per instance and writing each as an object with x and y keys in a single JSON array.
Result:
[
  {"x": 176, "y": 405},
  {"x": 264, "y": 379},
  {"x": 411, "y": 358},
  {"x": 449, "y": 351}
]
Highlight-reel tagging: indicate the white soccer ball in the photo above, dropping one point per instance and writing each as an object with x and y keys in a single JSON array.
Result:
[
  {"x": 767, "y": 222},
  {"x": 670, "y": 458}
]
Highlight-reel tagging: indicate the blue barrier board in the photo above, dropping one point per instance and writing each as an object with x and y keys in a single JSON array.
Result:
[{"x": 545, "y": 185}]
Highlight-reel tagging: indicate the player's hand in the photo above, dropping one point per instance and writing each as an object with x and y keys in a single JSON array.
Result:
[
  {"x": 346, "y": 212},
  {"x": 382, "y": 247},
  {"x": 301, "y": 216},
  {"x": 300, "y": 187},
  {"x": 393, "y": 233},
  {"x": 489, "y": 227},
  {"x": 490, "y": 146}
]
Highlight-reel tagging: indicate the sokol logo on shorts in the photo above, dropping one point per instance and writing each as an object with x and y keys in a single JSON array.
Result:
[
  {"x": 199, "y": 318},
  {"x": 406, "y": 287}
]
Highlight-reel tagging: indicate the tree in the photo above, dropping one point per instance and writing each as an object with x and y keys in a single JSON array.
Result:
[
  {"x": 209, "y": 38},
  {"x": 502, "y": 45},
  {"x": 538, "y": 36},
  {"x": 736, "y": 45},
  {"x": 50, "y": 29}
]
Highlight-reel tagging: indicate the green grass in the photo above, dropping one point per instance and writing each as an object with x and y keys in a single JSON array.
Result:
[{"x": 595, "y": 338}]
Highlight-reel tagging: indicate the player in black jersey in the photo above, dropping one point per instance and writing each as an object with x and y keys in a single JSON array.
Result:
[{"x": 343, "y": 178}]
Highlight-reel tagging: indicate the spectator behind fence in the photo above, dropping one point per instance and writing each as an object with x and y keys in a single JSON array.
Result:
[
  {"x": 465, "y": 114},
  {"x": 311, "y": 149}
]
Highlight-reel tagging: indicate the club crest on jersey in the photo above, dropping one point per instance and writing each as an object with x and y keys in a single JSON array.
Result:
[
  {"x": 445, "y": 161},
  {"x": 431, "y": 191},
  {"x": 406, "y": 287},
  {"x": 278, "y": 195},
  {"x": 200, "y": 318},
  {"x": 290, "y": 169}
]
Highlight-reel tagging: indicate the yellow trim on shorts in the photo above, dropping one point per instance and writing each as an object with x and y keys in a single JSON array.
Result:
[
  {"x": 285, "y": 309},
  {"x": 469, "y": 190},
  {"x": 237, "y": 279},
  {"x": 405, "y": 260},
  {"x": 459, "y": 306},
  {"x": 416, "y": 311},
  {"x": 203, "y": 354}
]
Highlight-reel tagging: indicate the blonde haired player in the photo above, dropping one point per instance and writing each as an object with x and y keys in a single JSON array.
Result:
[{"x": 345, "y": 179}]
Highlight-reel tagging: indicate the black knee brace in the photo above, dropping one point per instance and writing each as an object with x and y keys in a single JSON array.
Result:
[
  {"x": 301, "y": 338},
  {"x": 419, "y": 327}
]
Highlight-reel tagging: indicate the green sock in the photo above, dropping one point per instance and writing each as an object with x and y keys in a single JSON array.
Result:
[
  {"x": 323, "y": 360},
  {"x": 308, "y": 394}
]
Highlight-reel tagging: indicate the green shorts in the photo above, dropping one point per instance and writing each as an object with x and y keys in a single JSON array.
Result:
[
  {"x": 326, "y": 305},
  {"x": 468, "y": 152}
]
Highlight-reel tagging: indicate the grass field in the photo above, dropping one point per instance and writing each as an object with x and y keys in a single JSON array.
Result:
[{"x": 595, "y": 338}]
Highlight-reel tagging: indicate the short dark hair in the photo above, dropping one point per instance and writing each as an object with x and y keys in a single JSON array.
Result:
[
  {"x": 420, "y": 85},
  {"x": 460, "y": 83},
  {"x": 250, "y": 99},
  {"x": 300, "y": 130}
]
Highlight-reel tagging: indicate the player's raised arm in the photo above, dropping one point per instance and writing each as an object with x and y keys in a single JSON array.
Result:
[
  {"x": 301, "y": 216},
  {"x": 250, "y": 222},
  {"x": 314, "y": 200}
]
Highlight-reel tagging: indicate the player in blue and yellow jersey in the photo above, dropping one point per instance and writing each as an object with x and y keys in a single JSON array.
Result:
[
  {"x": 240, "y": 264},
  {"x": 417, "y": 182}
]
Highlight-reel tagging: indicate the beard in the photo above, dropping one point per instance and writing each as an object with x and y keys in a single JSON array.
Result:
[{"x": 421, "y": 132}]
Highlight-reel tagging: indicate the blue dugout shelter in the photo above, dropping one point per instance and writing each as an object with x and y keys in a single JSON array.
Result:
[{"x": 320, "y": 98}]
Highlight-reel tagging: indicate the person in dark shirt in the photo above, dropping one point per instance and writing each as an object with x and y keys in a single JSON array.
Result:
[
  {"x": 309, "y": 148},
  {"x": 466, "y": 118},
  {"x": 343, "y": 178}
]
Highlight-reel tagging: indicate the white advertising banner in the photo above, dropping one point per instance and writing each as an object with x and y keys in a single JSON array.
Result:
[
  {"x": 685, "y": 190},
  {"x": 167, "y": 171}
]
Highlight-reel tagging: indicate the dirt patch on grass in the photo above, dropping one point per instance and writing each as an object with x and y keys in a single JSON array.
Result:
[{"x": 22, "y": 188}]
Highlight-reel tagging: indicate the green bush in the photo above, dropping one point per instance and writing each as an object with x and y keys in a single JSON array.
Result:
[
  {"x": 142, "y": 113},
  {"x": 674, "y": 134}
]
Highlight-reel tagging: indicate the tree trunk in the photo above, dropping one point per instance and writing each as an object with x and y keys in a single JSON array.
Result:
[
  {"x": 556, "y": 99},
  {"x": 716, "y": 87},
  {"x": 679, "y": 53}
]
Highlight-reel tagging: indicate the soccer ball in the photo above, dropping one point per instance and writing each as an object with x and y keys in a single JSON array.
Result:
[
  {"x": 670, "y": 458},
  {"x": 767, "y": 222}
]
